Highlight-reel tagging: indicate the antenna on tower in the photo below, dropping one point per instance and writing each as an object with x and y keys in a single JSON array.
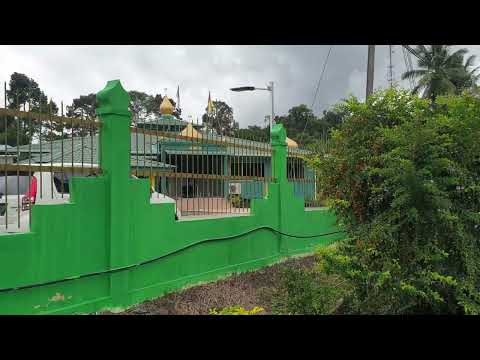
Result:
[{"x": 390, "y": 76}]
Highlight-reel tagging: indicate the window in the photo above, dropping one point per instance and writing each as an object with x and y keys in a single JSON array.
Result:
[
  {"x": 14, "y": 186},
  {"x": 61, "y": 181}
]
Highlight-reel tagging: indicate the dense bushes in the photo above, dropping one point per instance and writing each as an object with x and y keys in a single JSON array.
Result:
[
  {"x": 404, "y": 179},
  {"x": 306, "y": 292}
]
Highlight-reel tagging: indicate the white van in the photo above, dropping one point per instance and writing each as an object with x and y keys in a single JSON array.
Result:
[{"x": 18, "y": 192}]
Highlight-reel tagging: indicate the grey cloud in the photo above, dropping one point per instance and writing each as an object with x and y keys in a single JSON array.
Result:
[{"x": 64, "y": 72}]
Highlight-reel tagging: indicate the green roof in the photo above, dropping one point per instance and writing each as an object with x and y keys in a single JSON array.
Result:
[
  {"x": 166, "y": 120},
  {"x": 85, "y": 149},
  {"x": 83, "y": 152},
  {"x": 144, "y": 142}
]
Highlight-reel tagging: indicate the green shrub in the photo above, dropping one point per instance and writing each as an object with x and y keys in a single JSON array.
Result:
[
  {"x": 404, "y": 180},
  {"x": 305, "y": 292},
  {"x": 238, "y": 202},
  {"x": 236, "y": 310}
]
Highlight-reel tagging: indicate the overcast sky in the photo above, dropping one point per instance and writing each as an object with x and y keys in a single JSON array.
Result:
[{"x": 65, "y": 72}]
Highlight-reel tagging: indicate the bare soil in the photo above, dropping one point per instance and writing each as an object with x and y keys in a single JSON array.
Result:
[{"x": 246, "y": 289}]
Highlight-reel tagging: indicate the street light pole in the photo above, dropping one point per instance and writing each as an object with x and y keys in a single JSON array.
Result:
[
  {"x": 268, "y": 88},
  {"x": 273, "y": 111}
]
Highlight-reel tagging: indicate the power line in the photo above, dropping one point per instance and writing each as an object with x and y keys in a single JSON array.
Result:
[
  {"x": 408, "y": 65},
  {"x": 412, "y": 51},
  {"x": 407, "y": 52},
  {"x": 318, "y": 87},
  {"x": 321, "y": 76}
]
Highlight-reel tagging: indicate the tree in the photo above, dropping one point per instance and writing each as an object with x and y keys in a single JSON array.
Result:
[
  {"x": 305, "y": 128},
  {"x": 82, "y": 107},
  {"x": 440, "y": 71},
  {"x": 221, "y": 119},
  {"x": 254, "y": 132},
  {"x": 469, "y": 79},
  {"x": 140, "y": 105},
  {"x": 25, "y": 94},
  {"x": 403, "y": 180}
]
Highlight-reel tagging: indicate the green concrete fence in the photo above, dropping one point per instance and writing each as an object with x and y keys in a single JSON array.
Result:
[{"x": 110, "y": 248}]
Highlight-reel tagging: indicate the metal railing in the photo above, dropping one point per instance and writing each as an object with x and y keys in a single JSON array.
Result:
[
  {"x": 304, "y": 178},
  {"x": 39, "y": 152},
  {"x": 203, "y": 172}
]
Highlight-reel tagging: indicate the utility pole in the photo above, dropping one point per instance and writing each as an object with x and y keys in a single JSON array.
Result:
[
  {"x": 390, "y": 67},
  {"x": 370, "y": 68}
]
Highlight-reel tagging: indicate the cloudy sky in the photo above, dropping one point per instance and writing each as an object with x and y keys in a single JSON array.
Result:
[{"x": 65, "y": 72}]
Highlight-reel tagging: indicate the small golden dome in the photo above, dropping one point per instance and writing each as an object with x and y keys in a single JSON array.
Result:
[
  {"x": 291, "y": 143},
  {"x": 166, "y": 107},
  {"x": 189, "y": 131}
]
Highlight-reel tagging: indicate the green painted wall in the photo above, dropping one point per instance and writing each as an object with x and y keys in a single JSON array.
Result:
[{"x": 110, "y": 223}]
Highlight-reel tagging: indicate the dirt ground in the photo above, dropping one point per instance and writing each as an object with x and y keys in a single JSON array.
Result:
[{"x": 244, "y": 290}]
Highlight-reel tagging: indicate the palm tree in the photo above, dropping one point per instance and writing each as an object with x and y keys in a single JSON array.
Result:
[
  {"x": 470, "y": 77},
  {"x": 441, "y": 71}
]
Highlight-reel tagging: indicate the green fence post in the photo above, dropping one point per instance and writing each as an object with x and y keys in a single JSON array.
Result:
[
  {"x": 113, "y": 102},
  {"x": 278, "y": 138},
  {"x": 278, "y": 141}
]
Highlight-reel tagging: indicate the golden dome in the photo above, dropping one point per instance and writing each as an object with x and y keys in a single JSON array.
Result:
[
  {"x": 166, "y": 107},
  {"x": 291, "y": 143},
  {"x": 189, "y": 131}
]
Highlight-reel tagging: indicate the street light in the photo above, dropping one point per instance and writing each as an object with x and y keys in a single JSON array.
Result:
[{"x": 252, "y": 88}]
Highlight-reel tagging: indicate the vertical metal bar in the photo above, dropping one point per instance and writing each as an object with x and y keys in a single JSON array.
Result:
[
  {"x": 175, "y": 155},
  {"x": 30, "y": 169},
  {"x": 220, "y": 173},
  {"x": 268, "y": 159},
  {"x": 250, "y": 171},
  {"x": 195, "y": 171},
  {"x": 6, "y": 141},
  {"x": 92, "y": 133},
  {"x": 41, "y": 175},
  {"x": 225, "y": 173},
  {"x": 151, "y": 165},
  {"x": 62, "y": 189},
  {"x": 257, "y": 169},
  {"x": 240, "y": 168},
  {"x": 192, "y": 172},
  {"x": 136, "y": 143},
  {"x": 51, "y": 149},
  {"x": 82, "y": 133},
  {"x": 202, "y": 169},
  {"x": 243, "y": 171},
  {"x": 207, "y": 181},
  {"x": 221, "y": 190},
  {"x": 158, "y": 157},
  {"x": 18, "y": 172},
  {"x": 188, "y": 173},
  {"x": 144, "y": 151},
  {"x": 73, "y": 138},
  {"x": 197, "y": 157},
  {"x": 246, "y": 170},
  {"x": 215, "y": 173},
  {"x": 234, "y": 166}
]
